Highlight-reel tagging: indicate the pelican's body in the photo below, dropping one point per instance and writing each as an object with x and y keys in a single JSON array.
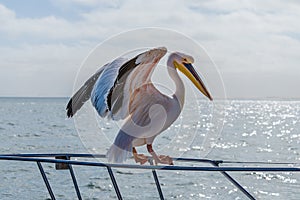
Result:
[{"x": 123, "y": 89}]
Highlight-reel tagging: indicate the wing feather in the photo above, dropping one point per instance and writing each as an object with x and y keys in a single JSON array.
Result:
[
  {"x": 83, "y": 94},
  {"x": 132, "y": 75},
  {"x": 104, "y": 85}
]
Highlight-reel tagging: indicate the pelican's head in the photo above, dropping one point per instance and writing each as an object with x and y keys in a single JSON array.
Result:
[{"x": 184, "y": 62}]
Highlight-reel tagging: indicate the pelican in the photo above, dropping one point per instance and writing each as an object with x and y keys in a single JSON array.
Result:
[{"x": 122, "y": 90}]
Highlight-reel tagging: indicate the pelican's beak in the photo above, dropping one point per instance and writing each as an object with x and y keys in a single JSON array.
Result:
[{"x": 190, "y": 72}]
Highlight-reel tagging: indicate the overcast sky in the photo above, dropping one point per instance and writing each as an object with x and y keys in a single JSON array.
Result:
[{"x": 255, "y": 44}]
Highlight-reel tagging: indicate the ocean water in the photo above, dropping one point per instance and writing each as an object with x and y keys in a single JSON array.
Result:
[{"x": 252, "y": 131}]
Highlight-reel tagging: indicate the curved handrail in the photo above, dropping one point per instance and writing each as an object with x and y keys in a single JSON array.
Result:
[
  {"x": 64, "y": 159},
  {"x": 36, "y": 158}
]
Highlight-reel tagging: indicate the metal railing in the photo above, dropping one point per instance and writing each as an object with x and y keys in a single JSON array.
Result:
[{"x": 64, "y": 162}]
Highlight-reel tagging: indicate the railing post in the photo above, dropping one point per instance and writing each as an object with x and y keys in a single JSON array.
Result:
[
  {"x": 114, "y": 182},
  {"x": 75, "y": 182},
  {"x": 46, "y": 180},
  {"x": 161, "y": 196},
  {"x": 63, "y": 166},
  {"x": 234, "y": 182}
]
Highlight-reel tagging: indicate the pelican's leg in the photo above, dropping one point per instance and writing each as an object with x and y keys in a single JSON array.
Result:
[
  {"x": 159, "y": 159},
  {"x": 139, "y": 158}
]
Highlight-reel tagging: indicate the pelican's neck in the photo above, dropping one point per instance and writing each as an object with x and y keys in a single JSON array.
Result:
[{"x": 180, "y": 90}]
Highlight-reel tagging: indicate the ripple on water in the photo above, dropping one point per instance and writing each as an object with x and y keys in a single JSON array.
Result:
[
  {"x": 10, "y": 124},
  {"x": 93, "y": 185}
]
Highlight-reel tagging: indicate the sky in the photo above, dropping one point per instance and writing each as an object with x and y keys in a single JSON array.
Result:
[{"x": 255, "y": 44}]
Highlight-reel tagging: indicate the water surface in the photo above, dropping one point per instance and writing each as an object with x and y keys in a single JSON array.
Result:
[{"x": 253, "y": 131}]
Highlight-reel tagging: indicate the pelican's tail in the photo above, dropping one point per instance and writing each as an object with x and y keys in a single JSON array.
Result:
[
  {"x": 121, "y": 149},
  {"x": 117, "y": 155}
]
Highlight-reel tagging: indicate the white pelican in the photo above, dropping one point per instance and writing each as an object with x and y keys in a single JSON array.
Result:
[{"x": 123, "y": 89}]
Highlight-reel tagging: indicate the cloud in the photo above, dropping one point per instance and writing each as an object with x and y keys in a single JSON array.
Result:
[
  {"x": 243, "y": 37},
  {"x": 5, "y": 12},
  {"x": 230, "y": 19},
  {"x": 40, "y": 70},
  {"x": 49, "y": 27},
  {"x": 86, "y": 3}
]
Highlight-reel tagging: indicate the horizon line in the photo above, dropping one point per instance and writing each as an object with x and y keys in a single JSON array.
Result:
[{"x": 228, "y": 99}]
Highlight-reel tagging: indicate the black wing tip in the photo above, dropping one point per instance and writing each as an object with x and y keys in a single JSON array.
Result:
[
  {"x": 70, "y": 114},
  {"x": 69, "y": 109}
]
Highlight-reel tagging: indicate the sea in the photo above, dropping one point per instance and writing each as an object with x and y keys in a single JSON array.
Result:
[{"x": 239, "y": 131}]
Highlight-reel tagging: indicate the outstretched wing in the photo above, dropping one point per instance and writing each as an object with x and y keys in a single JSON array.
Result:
[
  {"x": 83, "y": 94},
  {"x": 113, "y": 89}
]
